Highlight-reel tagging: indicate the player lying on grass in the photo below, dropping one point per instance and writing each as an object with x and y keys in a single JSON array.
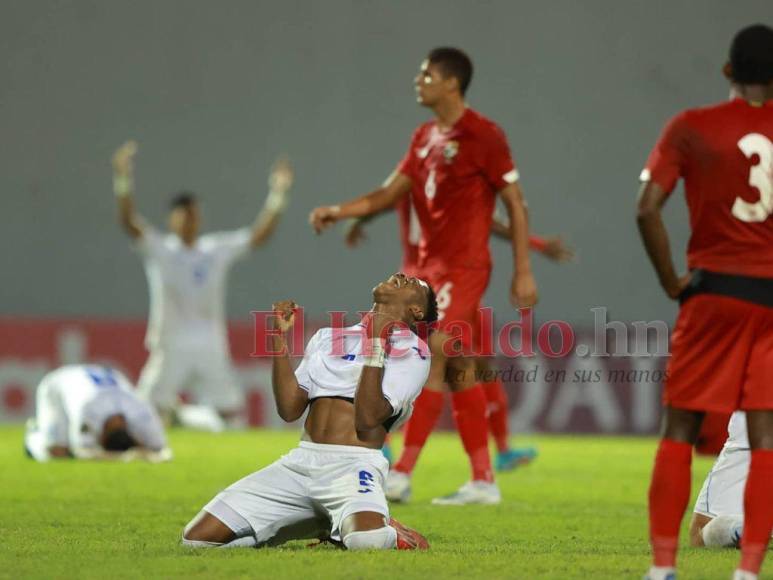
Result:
[
  {"x": 717, "y": 519},
  {"x": 358, "y": 384},
  {"x": 92, "y": 412}
]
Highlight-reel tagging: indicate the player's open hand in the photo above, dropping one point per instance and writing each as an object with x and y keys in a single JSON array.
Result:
[
  {"x": 523, "y": 290},
  {"x": 323, "y": 217},
  {"x": 355, "y": 234},
  {"x": 557, "y": 250},
  {"x": 123, "y": 158},
  {"x": 281, "y": 178},
  {"x": 285, "y": 315}
]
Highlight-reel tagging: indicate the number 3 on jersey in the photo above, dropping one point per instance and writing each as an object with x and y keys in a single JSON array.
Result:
[{"x": 760, "y": 177}]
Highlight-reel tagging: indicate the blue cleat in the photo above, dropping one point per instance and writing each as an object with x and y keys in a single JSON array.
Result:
[
  {"x": 515, "y": 457},
  {"x": 386, "y": 451}
]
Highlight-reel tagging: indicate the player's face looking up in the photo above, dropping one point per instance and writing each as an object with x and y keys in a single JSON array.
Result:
[
  {"x": 184, "y": 220},
  {"x": 412, "y": 299}
]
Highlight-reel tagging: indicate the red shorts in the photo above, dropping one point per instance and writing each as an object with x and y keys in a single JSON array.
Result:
[
  {"x": 721, "y": 356},
  {"x": 459, "y": 294}
]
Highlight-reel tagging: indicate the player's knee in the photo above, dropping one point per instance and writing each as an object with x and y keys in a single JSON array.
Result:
[
  {"x": 206, "y": 531},
  {"x": 379, "y": 539},
  {"x": 722, "y": 532}
]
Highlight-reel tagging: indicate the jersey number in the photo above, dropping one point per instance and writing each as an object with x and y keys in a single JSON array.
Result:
[
  {"x": 430, "y": 188},
  {"x": 102, "y": 376},
  {"x": 760, "y": 177},
  {"x": 443, "y": 298}
]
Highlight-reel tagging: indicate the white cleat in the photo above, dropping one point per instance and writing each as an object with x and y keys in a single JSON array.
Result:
[
  {"x": 744, "y": 575},
  {"x": 398, "y": 487},
  {"x": 661, "y": 573},
  {"x": 472, "y": 492},
  {"x": 201, "y": 418}
]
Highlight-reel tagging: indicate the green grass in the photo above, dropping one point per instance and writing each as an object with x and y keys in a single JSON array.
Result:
[{"x": 579, "y": 511}]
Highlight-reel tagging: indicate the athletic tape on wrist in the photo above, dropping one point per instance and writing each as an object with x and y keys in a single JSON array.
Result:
[
  {"x": 377, "y": 355},
  {"x": 122, "y": 185},
  {"x": 276, "y": 201}
]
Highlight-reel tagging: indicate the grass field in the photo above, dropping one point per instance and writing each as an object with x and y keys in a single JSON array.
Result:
[{"x": 578, "y": 512}]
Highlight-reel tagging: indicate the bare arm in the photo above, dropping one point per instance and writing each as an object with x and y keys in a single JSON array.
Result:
[
  {"x": 371, "y": 408},
  {"x": 383, "y": 198},
  {"x": 279, "y": 183},
  {"x": 653, "y": 233},
  {"x": 123, "y": 185},
  {"x": 552, "y": 247},
  {"x": 523, "y": 288},
  {"x": 291, "y": 399}
]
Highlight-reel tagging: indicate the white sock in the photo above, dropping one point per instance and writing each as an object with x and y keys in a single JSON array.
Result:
[
  {"x": 245, "y": 542},
  {"x": 660, "y": 573},
  {"x": 744, "y": 575},
  {"x": 381, "y": 539},
  {"x": 722, "y": 532}
]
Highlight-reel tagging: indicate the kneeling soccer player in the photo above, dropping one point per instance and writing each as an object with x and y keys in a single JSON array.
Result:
[
  {"x": 358, "y": 383},
  {"x": 717, "y": 519},
  {"x": 92, "y": 412}
]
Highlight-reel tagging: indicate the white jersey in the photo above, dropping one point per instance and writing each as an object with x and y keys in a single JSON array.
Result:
[
  {"x": 333, "y": 362},
  {"x": 187, "y": 287},
  {"x": 723, "y": 489},
  {"x": 74, "y": 401}
]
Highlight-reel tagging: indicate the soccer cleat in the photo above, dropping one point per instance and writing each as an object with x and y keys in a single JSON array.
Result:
[
  {"x": 398, "y": 487},
  {"x": 407, "y": 538},
  {"x": 386, "y": 451},
  {"x": 660, "y": 573},
  {"x": 744, "y": 575},
  {"x": 512, "y": 458},
  {"x": 472, "y": 492}
]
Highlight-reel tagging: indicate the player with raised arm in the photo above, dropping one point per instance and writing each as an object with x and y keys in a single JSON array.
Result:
[
  {"x": 455, "y": 166},
  {"x": 722, "y": 344},
  {"x": 187, "y": 274},
  {"x": 553, "y": 248},
  {"x": 332, "y": 484},
  {"x": 93, "y": 412}
]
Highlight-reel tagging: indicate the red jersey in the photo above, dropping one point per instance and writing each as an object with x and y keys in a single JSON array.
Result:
[
  {"x": 455, "y": 175},
  {"x": 724, "y": 153}
]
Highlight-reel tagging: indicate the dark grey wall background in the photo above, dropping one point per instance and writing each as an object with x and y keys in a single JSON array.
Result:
[{"x": 214, "y": 90}]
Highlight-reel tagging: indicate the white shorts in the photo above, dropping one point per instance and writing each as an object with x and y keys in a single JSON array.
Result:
[
  {"x": 206, "y": 372},
  {"x": 722, "y": 492},
  {"x": 307, "y": 493}
]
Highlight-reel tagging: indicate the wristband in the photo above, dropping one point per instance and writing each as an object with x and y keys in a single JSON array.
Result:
[
  {"x": 376, "y": 357},
  {"x": 122, "y": 185},
  {"x": 276, "y": 201}
]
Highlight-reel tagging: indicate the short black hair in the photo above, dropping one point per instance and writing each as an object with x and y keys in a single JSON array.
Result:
[
  {"x": 751, "y": 55},
  {"x": 454, "y": 63},
  {"x": 431, "y": 314},
  {"x": 119, "y": 440},
  {"x": 182, "y": 199}
]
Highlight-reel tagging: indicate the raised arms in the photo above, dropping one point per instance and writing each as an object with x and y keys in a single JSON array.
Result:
[
  {"x": 279, "y": 182},
  {"x": 123, "y": 187},
  {"x": 291, "y": 399}
]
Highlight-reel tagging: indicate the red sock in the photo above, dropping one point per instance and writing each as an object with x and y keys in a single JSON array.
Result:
[
  {"x": 758, "y": 511},
  {"x": 470, "y": 415},
  {"x": 669, "y": 494},
  {"x": 497, "y": 413},
  {"x": 426, "y": 411}
]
